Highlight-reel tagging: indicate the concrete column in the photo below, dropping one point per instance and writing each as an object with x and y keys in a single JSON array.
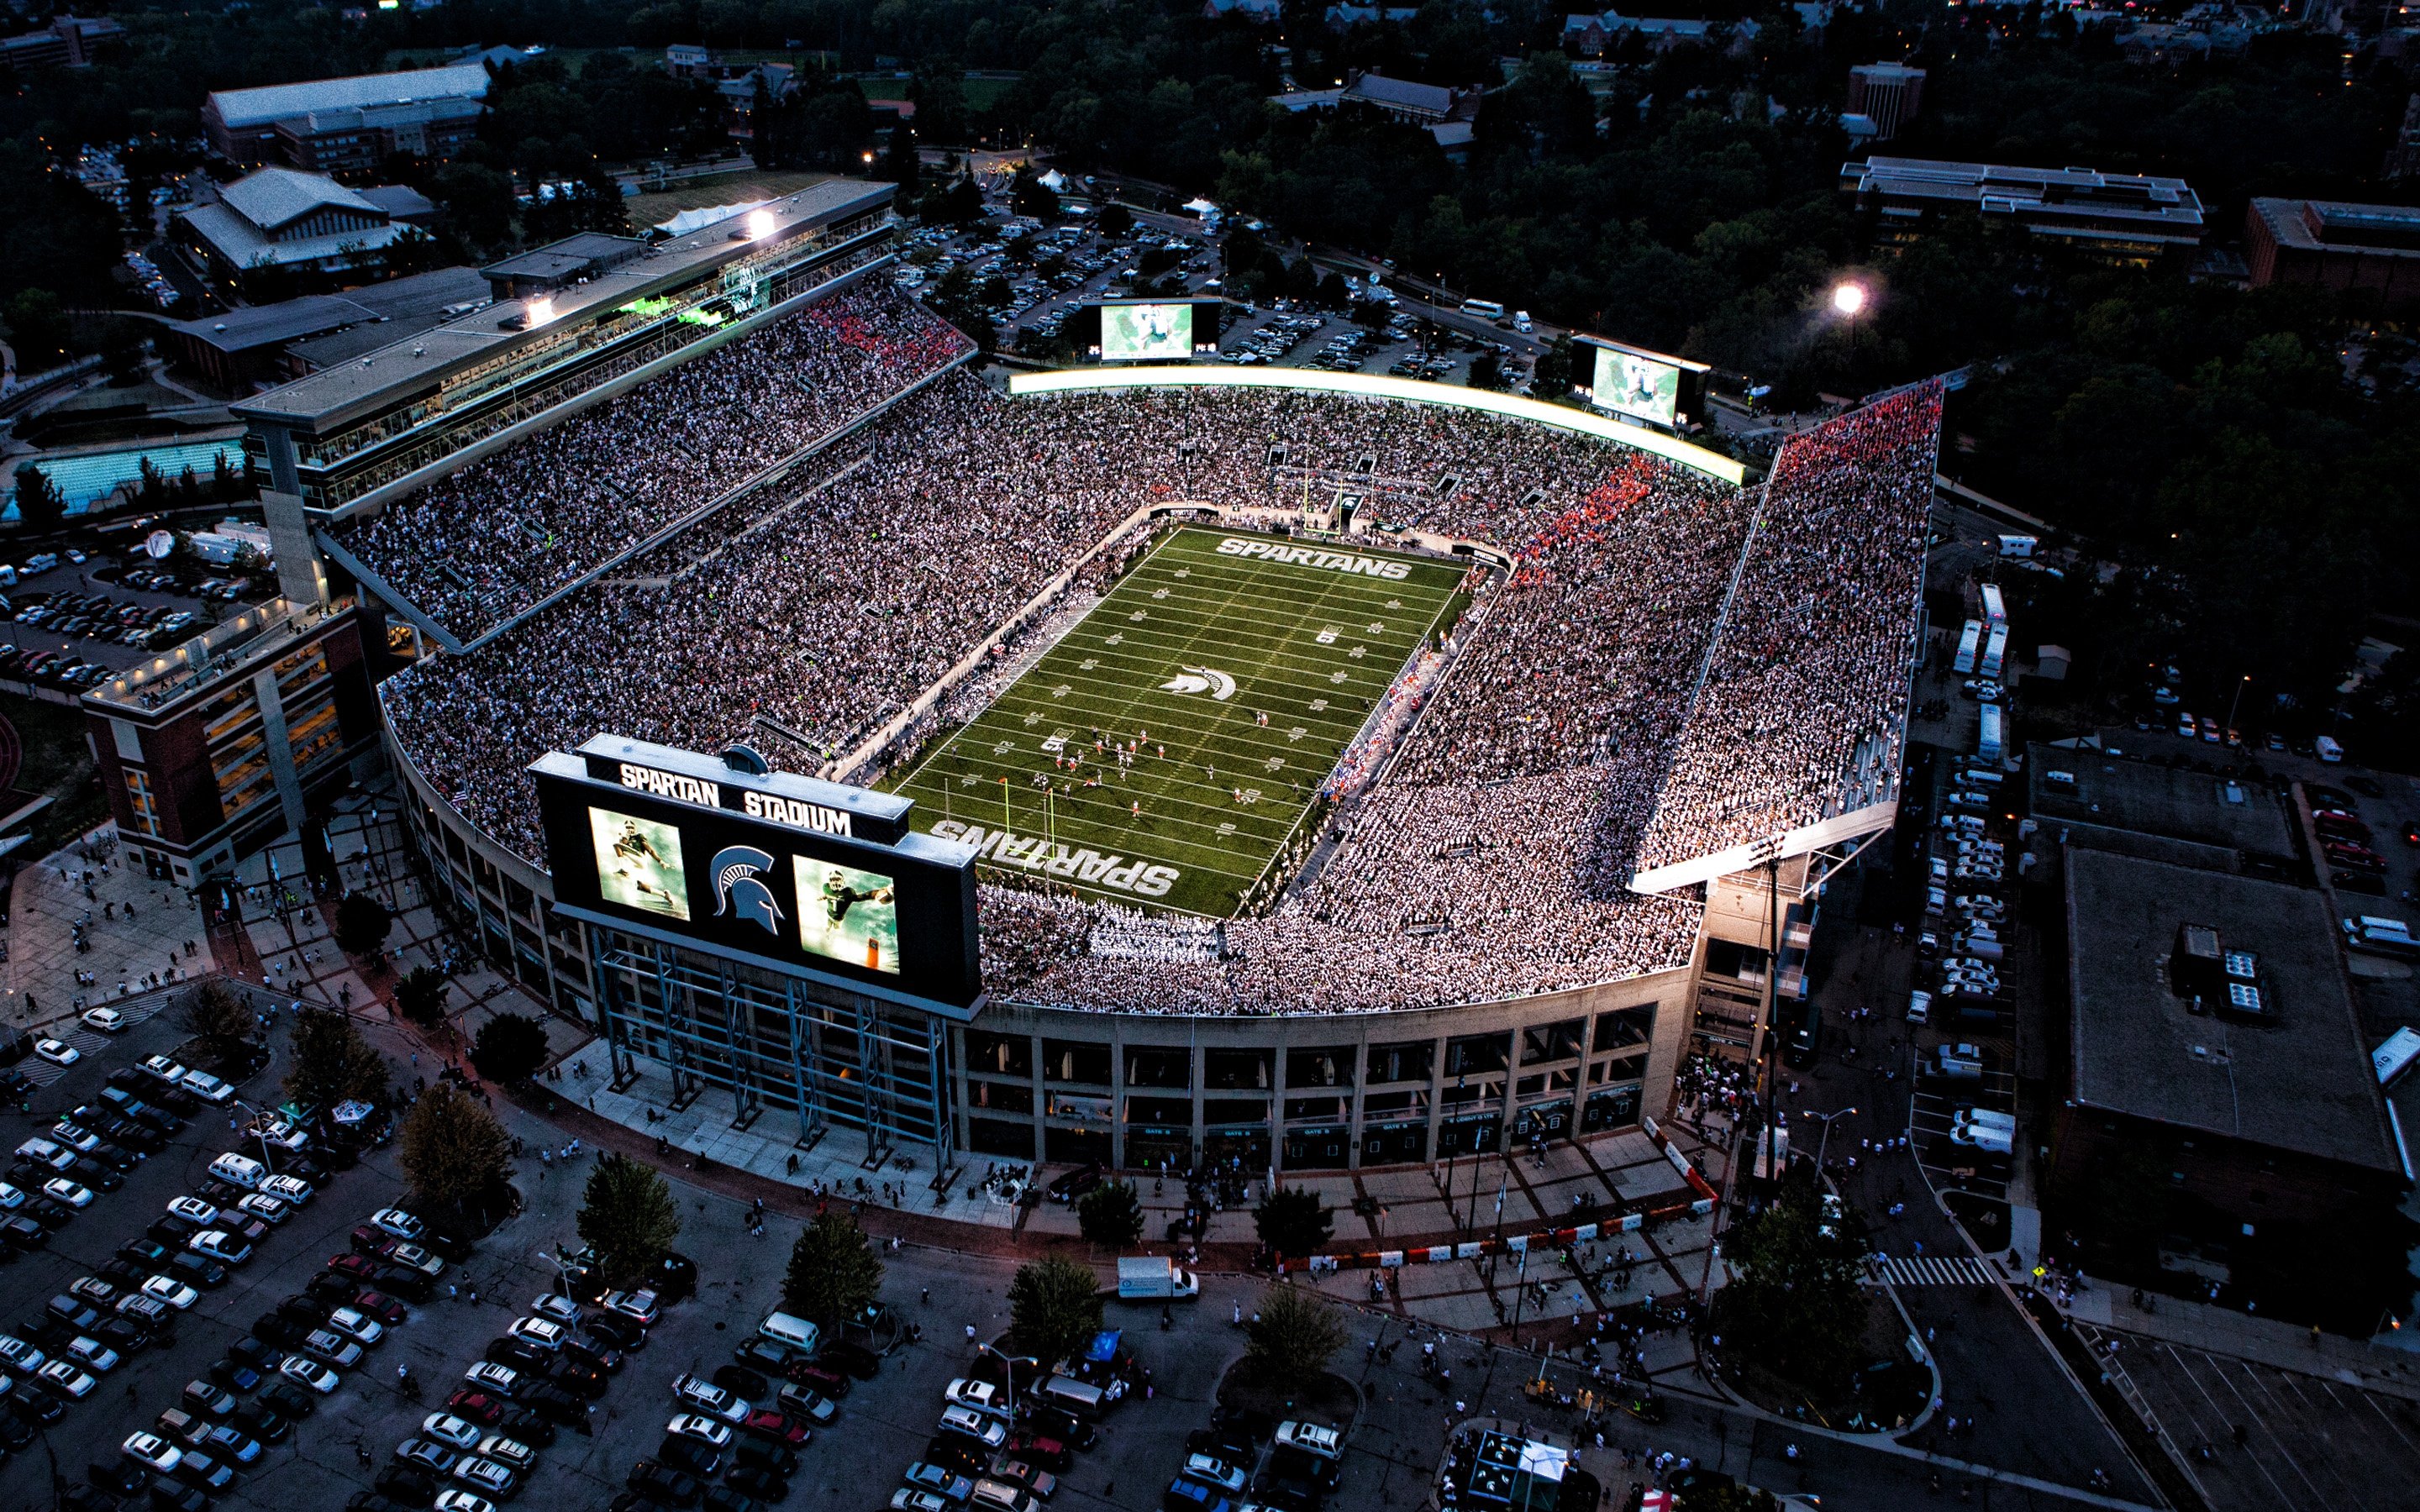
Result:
[{"x": 302, "y": 577}]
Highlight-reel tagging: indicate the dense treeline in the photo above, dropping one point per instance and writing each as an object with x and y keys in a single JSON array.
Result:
[{"x": 1686, "y": 200}]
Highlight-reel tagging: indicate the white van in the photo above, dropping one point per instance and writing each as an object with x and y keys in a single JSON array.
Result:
[
  {"x": 239, "y": 1170},
  {"x": 2328, "y": 748},
  {"x": 1521, "y": 321},
  {"x": 998, "y": 1496},
  {"x": 42, "y": 561},
  {"x": 1984, "y": 1137},
  {"x": 1986, "y": 1119},
  {"x": 783, "y": 1328}
]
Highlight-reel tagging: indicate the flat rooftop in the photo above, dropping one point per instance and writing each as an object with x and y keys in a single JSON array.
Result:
[
  {"x": 2152, "y": 799},
  {"x": 340, "y": 395},
  {"x": 2303, "y": 1084}
]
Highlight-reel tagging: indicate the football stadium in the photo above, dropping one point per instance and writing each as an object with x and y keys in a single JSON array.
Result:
[{"x": 1133, "y": 765}]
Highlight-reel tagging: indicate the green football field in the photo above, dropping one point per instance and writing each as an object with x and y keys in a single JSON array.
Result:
[{"x": 1187, "y": 656}]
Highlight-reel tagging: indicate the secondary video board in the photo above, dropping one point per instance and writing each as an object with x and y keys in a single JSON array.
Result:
[
  {"x": 1147, "y": 331},
  {"x": 1650, "y": 385},
  {"x": 790, "y": 871}
]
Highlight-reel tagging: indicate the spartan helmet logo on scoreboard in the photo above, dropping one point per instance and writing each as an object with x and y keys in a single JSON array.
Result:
[{"x": 738, "y": 889}]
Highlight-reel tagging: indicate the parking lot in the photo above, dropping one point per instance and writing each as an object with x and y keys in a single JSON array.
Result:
[
  {"x": 2303, "y": 1438},
  {"x": 346, "y": 1445},
  {"x": 1051, "y": 271},
  {"x": 73, "y": 623}
]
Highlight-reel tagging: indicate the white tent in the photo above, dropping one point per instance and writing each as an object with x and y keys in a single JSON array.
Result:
[
  {"x": 698, "y": 220},
  {"x": 1201, "y": 207},
  {"x": 1054, "y": 180}
]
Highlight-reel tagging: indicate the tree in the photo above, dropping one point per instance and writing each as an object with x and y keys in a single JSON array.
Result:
[
  {"x": 216, "y": 1017},
  {"x": 1111, "y": 1214},
  {"x": 453, "y": 1147},
  {"x": 1794, "y": 1302},
  {"x": 1552, "y": 379},
  {"x": 1293, "y": 1222},
  {"x": 331, "y": 1062},
  {"x": 1293, "y": 1332},
  {"x": 41, "y": 505},
  {"x": 628, "y": 1215},
  {"x": 362, "y": 923},
  {"x": 510, "y": 1048},
  {"x": 420, "y": 997},
  {"x": 832, "y": 1272},
  {"x": 1028, "y": 195},
  {"x": 1054, "y": 1305},
  {"x": 1487, "y": 372},
  {"x": 1115, "y": 220},
  {"x": 37, "y": 328},
  {"x": 900, "y": 164}
]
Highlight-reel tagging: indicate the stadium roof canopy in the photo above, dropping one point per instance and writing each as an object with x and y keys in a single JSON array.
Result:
[{"x": 240, "y": 108}]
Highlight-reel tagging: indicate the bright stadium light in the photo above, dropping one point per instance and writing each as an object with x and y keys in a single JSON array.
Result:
[
  {"x": 760, "y": 225},
  {"x": 1849, "y": 298},
  {"x": 540, "y": 312}
]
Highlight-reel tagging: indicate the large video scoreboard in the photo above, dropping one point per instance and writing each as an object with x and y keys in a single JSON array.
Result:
[
  {"x": 789, "y": 873},
  {"x": 1661, "y": 390},
  {"x": 1146, "y": 331}
]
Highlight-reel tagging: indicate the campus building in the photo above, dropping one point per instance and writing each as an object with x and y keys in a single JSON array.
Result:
[
  {"x": 2119, "y": 218},
  {"x": 347, "y": 126}
]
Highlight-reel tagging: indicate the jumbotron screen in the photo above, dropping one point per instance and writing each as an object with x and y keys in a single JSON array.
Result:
[
  {"x": 787, "y": 869},
  {"x": 1649, "y": 386},
  {"x": 1148, "y": 331}
]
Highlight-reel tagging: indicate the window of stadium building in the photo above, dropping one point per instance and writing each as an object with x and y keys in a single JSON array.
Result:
[
  {"x": 1729, "y": 957},
  {"x": 1548, "y": 1121},
  {"x": 1075, "y": 1060},
  {"x": 1160, "y": 1068},
  {"x": 1469, "y": 1137},
  {"x": 998, "y": 1136},
  {"x": 1243, "y": 1149},
  {"x": 1473, "y": 1054},
  {"x": 1173, "y": 1111},
  {"x": 1253, "y": 1110},
  {"x": 1627, "y": 1068},
  {"x": 1313, "y": 1150},
  {"x": 1413, "y": 1061},
  {"x": 1553, "y": 1041},
  {"x": 1394, "y": 1104},
  {"x": 999, "y": 1097},
  {"x": 1159, "y": 1147},
  {"x": 1615, "y": 1110},
  {"x": 1233, "y": 1069},
  {"x": 1331, "y": 1066},
  {"x": 1076, "y": 1146},
  {"x": 1625, "y": 1026},
  {"x": 1004, "y": 1055},
  {"x": 1462, "y": 1091},
  {"x": 1317, "y": 1109}
]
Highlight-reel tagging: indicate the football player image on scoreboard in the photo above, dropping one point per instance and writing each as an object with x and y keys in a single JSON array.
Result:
[
  {"x": 639, "y": 863},
  {"x": 847, "y": 914}
]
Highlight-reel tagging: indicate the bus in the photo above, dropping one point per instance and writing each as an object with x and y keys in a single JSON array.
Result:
[
  {"x": 1970, "y": 641},
  {"x": 1995, "y": 607},
  {"x": 1995, "y": 652},
  {"x": 1486, "y": 307}
]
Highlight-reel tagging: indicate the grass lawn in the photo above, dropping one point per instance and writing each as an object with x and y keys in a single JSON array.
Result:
[
  {"x": 1251, "y": 673},
  {"x": 735, "y": 188}
]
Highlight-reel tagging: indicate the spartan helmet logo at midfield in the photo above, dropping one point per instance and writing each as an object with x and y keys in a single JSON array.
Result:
[{"x": 738, "y": 889}]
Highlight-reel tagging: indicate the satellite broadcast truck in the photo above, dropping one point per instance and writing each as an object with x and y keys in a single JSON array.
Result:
[{"x": 1154, "y": 1278}]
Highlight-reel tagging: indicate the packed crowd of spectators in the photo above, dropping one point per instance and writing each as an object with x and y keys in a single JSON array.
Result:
[
  {"x": 1490, "y": 859},
  {"x": 1805, "y": 700},
  {"x": 473, "y": 549}
]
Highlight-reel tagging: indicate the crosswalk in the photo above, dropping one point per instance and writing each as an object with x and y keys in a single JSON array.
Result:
[
  {"x": 86, "y": 1039},
  {"x": 1929, "y": 1271}
]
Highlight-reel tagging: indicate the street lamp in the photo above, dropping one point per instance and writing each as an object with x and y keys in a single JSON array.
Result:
[
  {"x": 1012, "y": 1361},
  {"x": 260, "y": 1126},
  {"x": 1820, "y": 1144},
  {"x": 1849, "y": 298}
]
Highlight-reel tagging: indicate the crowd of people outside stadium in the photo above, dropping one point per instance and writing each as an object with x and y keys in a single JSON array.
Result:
[
  {"x": 476, "y": 549},
  {"x": 1491, "y": 859}
]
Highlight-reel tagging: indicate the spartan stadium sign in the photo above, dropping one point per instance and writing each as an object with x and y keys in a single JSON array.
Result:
[
  {"x": 1303, "y": 556},
  {"x": 794, "y": 812},
  {"x": 1036, "y": 853}
]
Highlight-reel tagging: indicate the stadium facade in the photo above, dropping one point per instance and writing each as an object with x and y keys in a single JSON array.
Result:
[{"x": 1000, "y": 1077}]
